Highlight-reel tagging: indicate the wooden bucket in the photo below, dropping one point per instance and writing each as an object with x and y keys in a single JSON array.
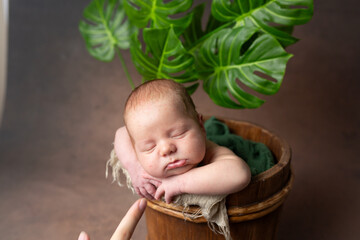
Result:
[{"x": 253, "y": 212}]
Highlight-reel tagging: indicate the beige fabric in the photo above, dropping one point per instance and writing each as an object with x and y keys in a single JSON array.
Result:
[
  {"x": 115, "y": 164},
  {"x": 213, "y": 207}
]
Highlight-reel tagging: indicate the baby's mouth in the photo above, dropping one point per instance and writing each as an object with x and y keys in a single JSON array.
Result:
[{"x": 176, "y": 164}]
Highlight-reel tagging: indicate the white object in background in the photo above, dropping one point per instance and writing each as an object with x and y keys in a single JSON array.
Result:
[{"x": 4, "y": 20}]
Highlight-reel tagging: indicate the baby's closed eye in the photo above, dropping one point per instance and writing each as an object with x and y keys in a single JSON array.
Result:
[
  {"x": 178, "y": 134},
  {"x": 148, "y": 148}
]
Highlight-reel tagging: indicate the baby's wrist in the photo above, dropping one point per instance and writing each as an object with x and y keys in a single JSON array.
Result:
[{"x": 179, "y": 183}]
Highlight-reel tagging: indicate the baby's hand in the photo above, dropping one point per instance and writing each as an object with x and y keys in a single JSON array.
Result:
[
  {"x": 169, "y": 188},
  {"x": 144, "y": 184}
]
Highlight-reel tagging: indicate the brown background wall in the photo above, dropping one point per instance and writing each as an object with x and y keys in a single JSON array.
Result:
[{"x": 63, "y": 106}]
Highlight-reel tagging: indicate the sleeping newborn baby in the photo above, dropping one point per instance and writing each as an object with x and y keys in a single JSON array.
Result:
[
  {"x": 164, "y": 149},
  {"x": 169, "y": 143}
]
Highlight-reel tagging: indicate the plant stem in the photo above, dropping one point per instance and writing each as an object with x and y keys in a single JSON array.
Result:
[{"x": 125, "y": 69}]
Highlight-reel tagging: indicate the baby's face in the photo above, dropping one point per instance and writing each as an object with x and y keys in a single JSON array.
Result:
[{"x": 167, "y": 141}]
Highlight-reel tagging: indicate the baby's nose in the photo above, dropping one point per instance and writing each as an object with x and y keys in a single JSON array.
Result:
[{"x": 167, "y": 149}]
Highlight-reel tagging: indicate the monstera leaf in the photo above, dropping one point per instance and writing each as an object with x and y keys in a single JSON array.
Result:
[
  {"x": 105, "y": 28},
  {"x": 226, "y": 57},
  {"x": 194, "y": 32},
  {"x": 165, "y": 58},
  {"x": 158, "y": 14},
  {"x": 240, "y": 51},
  {"x": 271, "y": 16}
]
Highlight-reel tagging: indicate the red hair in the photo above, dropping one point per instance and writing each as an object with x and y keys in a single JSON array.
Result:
[{"x": 159, "y": 89}]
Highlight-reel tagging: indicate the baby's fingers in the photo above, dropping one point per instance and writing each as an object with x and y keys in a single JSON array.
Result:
[
  {"x": 154, "y": 182},
  {"x": 159, "y": 192},
  {"x": 168, "y": 198},
  {"x": 145, "y": 193},
  {"x": 137, "y": 190},
  {"x": 150, "y": 189}
]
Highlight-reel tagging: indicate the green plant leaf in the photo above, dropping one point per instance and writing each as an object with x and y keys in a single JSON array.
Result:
[
  {"x": 105, "y": 28},
  {"x": 238, "y": 54},
  {"x": 268, "y": 15},
  {"x": 191, "y": 89},
  {"x": 165, "y": 57},
  {"x": 158, "y": 14},
  {"x": 194, "y": 32}
]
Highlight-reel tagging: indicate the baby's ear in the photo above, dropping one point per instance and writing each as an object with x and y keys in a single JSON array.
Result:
[{"x": 201, "y": 121}]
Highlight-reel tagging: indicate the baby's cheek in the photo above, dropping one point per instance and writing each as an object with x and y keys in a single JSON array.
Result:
[
  {"x": 150, "y": 166},
  {"x": 154, "y": 168},
  {"x": 195, "y": 147},
  {"x": 198, "y": 143},
  {"x": 185, "y": 146}
]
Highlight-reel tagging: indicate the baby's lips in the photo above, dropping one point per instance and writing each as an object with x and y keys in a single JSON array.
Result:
[{"x": 176, "y": 164}]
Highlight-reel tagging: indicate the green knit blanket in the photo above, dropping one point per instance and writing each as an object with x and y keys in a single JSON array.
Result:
[{"x": 256, "y": 155}]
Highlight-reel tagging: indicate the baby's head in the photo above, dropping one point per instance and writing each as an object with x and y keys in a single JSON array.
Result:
[{"x": 166, "y": 131}]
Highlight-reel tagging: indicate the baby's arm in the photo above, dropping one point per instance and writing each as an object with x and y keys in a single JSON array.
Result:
[
  {"x": 144, "y": 184},
  {"x": 224, "y": 173}
]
